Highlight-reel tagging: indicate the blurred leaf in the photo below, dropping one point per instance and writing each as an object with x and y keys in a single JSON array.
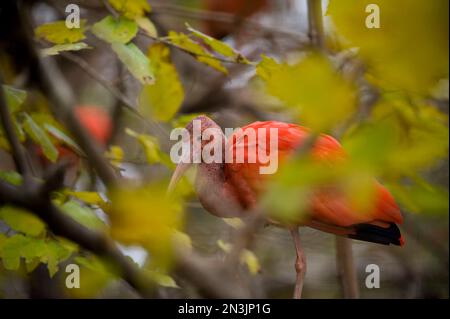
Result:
[
  {"x": 38, "y": 135},
  {"x": 302, "y": 87},
  {"x": 136, "y": 62},
  {"x": 112, "y": 29},
  {"x": 22, "y": 221},
  {"x": 58, "y": 33},
  {"x": 146, "y": 216},
  {"x": 184, "y": 119},
  {"x": 61, "y": 136},
  {"x": 236, "y": 223},
  {"x": 226, "y": 247},
  {"x": 423, "y": 200},
  {"x": 220, "y": 47},
  {"x": 11, "y": 177},
  {"x": 161, "y": 279},
  {"x": 418, "y": 135},
  {"x": 392, "y": 50},
  {"x": 49, "y": 252},
  {"x": 131, "y": 8},
  {"x": 115, "y": 155},
  {"x": 148, "y": 26},
  {"x": 92, "y": 198},
  {"x": 247, "y": 257},
  {"x": 14, "y": 98},
  {"x": 83, "y": 215},
  {"x": 162, "y": 99},
  {"x": 183, "y": 239},
  {"x": 184, "y": 42},
  {"x": 56, "y": 49},
  {"x": 151, "y": 148},
  {"x": 95, "y": 274}
]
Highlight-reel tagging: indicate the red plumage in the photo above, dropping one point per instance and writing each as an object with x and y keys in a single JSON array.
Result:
[{"x": 330, "y": 208}]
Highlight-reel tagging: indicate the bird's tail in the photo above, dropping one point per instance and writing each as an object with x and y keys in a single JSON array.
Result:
[
  {"x": 377, "y": 234},
  {"x": 389, "y": 235}
]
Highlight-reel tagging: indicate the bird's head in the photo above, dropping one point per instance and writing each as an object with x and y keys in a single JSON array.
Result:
[{"x": 201, "y": 132}]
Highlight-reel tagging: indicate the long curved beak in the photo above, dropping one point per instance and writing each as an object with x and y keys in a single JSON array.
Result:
[{"x": 179, "y": 172}]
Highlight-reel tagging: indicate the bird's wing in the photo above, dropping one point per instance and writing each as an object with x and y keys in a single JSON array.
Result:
[{"x": 329, "y": 206}]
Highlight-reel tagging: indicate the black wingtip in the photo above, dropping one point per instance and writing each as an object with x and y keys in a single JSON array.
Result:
[{"x": 376, "y": 234}]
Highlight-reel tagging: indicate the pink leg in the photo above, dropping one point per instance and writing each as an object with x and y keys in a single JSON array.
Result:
[{"x": 300, "y": 264}]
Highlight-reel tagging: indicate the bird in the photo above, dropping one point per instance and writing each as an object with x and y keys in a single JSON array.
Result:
[
  {"x": 240, "y": 9},
  {"x": 232, "y": 188}
]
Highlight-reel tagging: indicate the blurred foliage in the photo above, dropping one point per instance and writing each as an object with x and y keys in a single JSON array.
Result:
[
  {"x": 112, "y": 29},
  {"x": 131, "y": 8},
  {"x": 144, "y": 216},
  {"x": 58, "y": 33},
  {"x": 410, "y": 49},
  {"x": 162, "y": 99},
  {"x": 397, "y": 139},
  {"x": 301, "y": 86}
]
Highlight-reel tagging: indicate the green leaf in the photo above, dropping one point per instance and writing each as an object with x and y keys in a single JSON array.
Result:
[
  {"x": 431, "y": 200},
  {"x": 136, "y": 62},
  {"x": 148, "y": 26},
  {"x": 38, "y": 135},
  {"x": 58, "y": 33},
  {"x": 162, "y": 99},
  {"x": 131, "y": 8},
  {"x": 82, "y": 215},
  {"x": 219, "y": 47},
  {"x": 57, "y": 133},
  {"x": 14, "y": 98},
  {"x": 58, "y": 48},
  {"x": 22, "y": 221},
  {"x": 11, "y": 177},
  {"x": 112, "y": 29},
  {"x": 185, "y": 43},
  {"x": 50, "y": 252}
]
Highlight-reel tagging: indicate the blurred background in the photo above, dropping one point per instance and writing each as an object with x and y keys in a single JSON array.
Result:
[{"x": 279, "y": 29}]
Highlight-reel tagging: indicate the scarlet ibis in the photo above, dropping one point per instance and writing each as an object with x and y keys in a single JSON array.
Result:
[
  {"x": 239, "y": 8},
  {"x": 233, "y": 189}
]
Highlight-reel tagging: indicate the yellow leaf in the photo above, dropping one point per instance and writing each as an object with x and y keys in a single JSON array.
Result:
[
  {"x": 131, "y": 8},
  {"x": 220, "y": 47},
  {"x": 185, "y": 43},
  {"x": 409, "y": 50},
  {"x": 146, "y": 216},
  {"x": 320, "y": 97},
  {"x": 252, "y": 262},
  {"x": 58, "y": 33},
  {"x": 147, "y": 25},
  {"x": 163, "y": 98},
  {"x": 115, "y": 155}
]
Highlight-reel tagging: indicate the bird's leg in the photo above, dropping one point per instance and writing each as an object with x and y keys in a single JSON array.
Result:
[{"x": 300, "y": 264}]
